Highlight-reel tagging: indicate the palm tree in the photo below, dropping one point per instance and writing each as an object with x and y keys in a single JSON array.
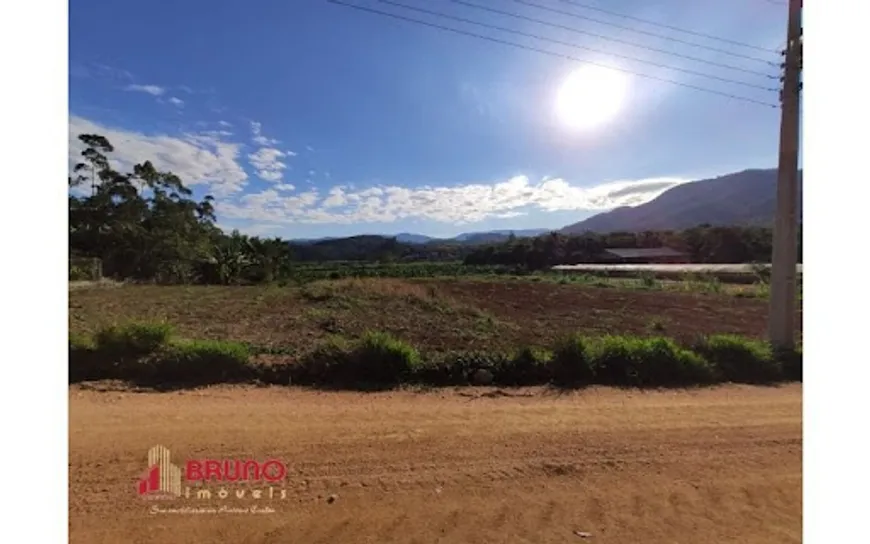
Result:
[{"x": 231, "y": 255}]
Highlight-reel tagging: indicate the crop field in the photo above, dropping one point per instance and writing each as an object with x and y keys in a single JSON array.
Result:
[
  {"x": 432, "y": 314},
  {"x": 466, "y": 465},
  {"x": 449, "y": 464}
]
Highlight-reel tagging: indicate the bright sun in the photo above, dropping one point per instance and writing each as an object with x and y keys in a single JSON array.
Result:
[{"x": 590, "y": 97}]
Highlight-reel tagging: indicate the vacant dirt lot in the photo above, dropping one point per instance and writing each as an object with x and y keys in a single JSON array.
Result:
[
  {"x": 432, "y": 314},
  {"x": 718, "y": 465}
]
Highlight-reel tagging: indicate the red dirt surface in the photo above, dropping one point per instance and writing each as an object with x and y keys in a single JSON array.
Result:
[{"x": 478, "y": 465}]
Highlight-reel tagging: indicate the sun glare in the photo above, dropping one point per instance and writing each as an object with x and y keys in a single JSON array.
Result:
[{"x": 590, "y": 97}]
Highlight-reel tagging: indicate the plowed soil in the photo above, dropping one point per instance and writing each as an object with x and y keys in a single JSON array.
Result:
[
  {"x": 433, "y": 315},
  {"x": 472, "y": 465}
]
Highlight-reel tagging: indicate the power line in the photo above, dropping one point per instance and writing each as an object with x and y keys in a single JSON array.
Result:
[
  {"x": 575, "y": 46},
  {"x": 669, "y": 27},
  {"x": 617, "y": 40},
  {"x": 638, "y": 31},
  {"x": 549, "y": 53}
]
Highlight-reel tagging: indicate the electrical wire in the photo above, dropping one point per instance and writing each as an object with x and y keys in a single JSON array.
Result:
[
  {"x": 575, "y": 46},
  {"x": 617, "y": 40},
  {"x": 669, "y": 27},
  {"x": 550, "y": 53},
  {"x": 638, "y": 31}
]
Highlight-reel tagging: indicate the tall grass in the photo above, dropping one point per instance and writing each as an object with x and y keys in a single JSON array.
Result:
[
  {"x": 740, "y": 359},
  {"x": 148, "y": 354},
  {"x": 133, "y": 338}
]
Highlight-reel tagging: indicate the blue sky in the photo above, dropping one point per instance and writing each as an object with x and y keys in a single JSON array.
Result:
[{"x": 309, "y": 119}]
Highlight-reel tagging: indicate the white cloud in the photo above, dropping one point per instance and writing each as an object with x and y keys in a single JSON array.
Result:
[
  {"x": 267, "y": 162},
  {"x": 209, "y": 158},
  {"x": 225, "y": 123},
  {"x": 335, "y": 199},
  {"x": 460, "y": 204},
  {"x": 262, "y": 140},
  {"x": 258, "y": 138},
  {"x": 177, "y": 101},
  {"x": 198, "y": 159},
  {"x": 154, "y": 90},
  {"x": 110, "y": 72},
  {"x": 217, "y": 133}
]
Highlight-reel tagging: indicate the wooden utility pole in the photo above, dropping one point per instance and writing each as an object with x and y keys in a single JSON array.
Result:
[{"x": 781, "y": 327}]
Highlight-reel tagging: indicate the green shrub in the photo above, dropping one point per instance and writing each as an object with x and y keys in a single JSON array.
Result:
[
  {"x": 80, "y": 341},
  {"x": 646, "y": 362},
  {"x": 570, "y": 364},
  {"x": 665, "y": 363},
  {"x": 614, "y": 359},
  {"x": 740, "y": 360},
  {"x": 457, "y": 367},
  {"x": 76, "y": 273},
  {"x": 529, "y": 366},
  {"x": 467, "y": 362},
  {"x": 377, "y": 359},
  {"x": 133, "y": 339},
  {"x": 145, "y": 353},
  {"x": 274, "y": 374},
  {"x": 648, "y": 280},
  {"x": 443, "y": 369},
  {"x": 86, "y": 362},
  {"x": 325, "y": 364},
  {"x": 384, "y": 360},
  {"x": 196, "y": 362}
]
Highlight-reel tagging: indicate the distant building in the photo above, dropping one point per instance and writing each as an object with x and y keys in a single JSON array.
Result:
[{"x": 644, "y": 255}]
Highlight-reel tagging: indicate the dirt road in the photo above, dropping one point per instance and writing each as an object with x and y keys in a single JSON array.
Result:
[{"x": 720, "y": 465}]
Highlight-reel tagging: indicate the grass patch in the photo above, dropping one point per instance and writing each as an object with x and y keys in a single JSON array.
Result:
[
  {"x": 646, "y": 362},
  {"x": 376, "y": 360},
  {"x": 148, "y": 354},
  {"x": 648, "y": 280},
  {"x": 383, "y": 359},
  {"x": 199, "y": 362},
  {"x": 133, "y": 339},
  {"x": 450, "y": 368},
  {"x": 80, "y": 341},
  {"x": 570, "y": 363},
  {"x": 741, "y": 360},
  {"x": 529, "y": 366}
]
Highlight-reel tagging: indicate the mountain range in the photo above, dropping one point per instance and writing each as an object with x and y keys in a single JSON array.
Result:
[
  {"x": 741, "y": 198},
  {"x": 466, "y": 238}
]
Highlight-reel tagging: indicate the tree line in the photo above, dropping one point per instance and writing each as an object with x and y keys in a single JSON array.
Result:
[
  {"x": 146, "y": 225},
  {"x": 701, "y": 244}
]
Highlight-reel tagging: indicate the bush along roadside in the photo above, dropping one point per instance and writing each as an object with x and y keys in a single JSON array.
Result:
[{"x": 150, "y": 354}]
